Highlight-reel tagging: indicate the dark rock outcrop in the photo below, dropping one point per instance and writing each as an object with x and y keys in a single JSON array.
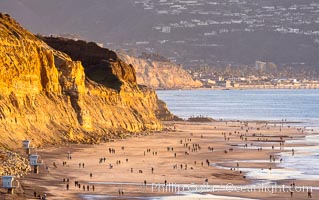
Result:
[{"x": 101, "y": 65}]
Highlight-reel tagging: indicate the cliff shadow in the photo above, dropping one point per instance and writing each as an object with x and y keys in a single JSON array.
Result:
[{"x": 99, "y": 63}]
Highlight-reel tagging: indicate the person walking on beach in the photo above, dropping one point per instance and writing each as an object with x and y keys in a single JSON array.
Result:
[
  {"x": 309, "y": 194},
  {"x": 293, "y": 152}
]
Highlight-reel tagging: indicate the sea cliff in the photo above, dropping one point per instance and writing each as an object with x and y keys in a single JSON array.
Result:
[
  {"x": 160, "y": 74},
  {"x": 48, "y": 96}
]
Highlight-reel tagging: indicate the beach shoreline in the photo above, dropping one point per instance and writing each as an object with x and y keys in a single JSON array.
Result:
[{"x": 184, "y": 154}]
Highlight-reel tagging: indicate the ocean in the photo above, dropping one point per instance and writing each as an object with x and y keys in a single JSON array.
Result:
[{"x": 291, "y": 105}]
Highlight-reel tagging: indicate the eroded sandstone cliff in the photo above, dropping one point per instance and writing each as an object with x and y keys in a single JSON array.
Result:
[
  {"x": 160, "y": 74},
  {"x": 47, "y": 97}
]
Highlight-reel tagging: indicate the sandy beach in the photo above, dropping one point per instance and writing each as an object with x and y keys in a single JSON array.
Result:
[{"x": 173, "y": 163}]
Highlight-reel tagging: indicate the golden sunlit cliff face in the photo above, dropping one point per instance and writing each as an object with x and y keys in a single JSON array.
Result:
[{"x": 46, "y": 97}]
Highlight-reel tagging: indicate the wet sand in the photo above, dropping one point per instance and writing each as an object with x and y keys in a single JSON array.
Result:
[{"x": 168, "y": 155}]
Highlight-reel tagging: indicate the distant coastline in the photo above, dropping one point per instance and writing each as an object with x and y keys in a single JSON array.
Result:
[{"x": 250, "y": 87}]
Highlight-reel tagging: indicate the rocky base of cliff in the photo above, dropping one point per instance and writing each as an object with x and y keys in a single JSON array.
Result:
[{"x": 13, "y": 164}]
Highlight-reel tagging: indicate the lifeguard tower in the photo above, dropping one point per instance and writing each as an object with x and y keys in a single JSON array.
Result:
[
  {"x": 26, "y": 146},
  {"x": 9, "y": 183},
  {"x": 35, "y": 162}
]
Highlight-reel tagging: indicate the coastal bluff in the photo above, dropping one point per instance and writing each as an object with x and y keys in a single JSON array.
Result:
[
  {"x": 47, "y": 96},
  {"x": 160, "y": 74}
]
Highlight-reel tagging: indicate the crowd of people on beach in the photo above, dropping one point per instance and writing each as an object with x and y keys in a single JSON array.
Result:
[{"x": 191, "y": 145}]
